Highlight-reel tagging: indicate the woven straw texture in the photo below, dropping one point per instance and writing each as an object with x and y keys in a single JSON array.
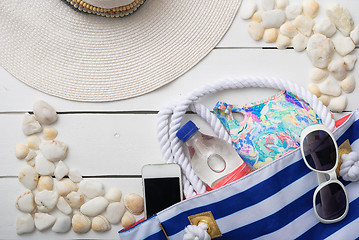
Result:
[{"x": 78, "y": 56}]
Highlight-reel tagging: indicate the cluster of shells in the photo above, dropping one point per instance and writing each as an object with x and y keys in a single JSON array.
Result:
[
  {"x": 58, "y": 197},
  {"x": 292, "y": 23}
]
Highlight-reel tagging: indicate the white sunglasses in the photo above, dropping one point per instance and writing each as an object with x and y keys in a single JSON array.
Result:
[{"x": 320, "y": 153}]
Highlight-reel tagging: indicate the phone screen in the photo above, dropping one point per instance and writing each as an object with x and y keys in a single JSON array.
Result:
[{"x": 161, "y": 193}]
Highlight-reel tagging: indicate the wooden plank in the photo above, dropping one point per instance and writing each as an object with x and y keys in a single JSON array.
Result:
[
  {"x": 219, "y": 64},
  {"x": 10, "y": 189}
]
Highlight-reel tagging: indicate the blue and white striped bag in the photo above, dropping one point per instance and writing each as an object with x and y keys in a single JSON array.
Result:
[{"x": 274, "y": 202}]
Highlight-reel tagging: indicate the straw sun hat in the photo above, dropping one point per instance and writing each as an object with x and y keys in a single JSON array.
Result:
[{"x": 67, "y": 49}]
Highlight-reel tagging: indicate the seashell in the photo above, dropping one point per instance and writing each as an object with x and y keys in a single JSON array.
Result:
[
  {"x": 127, "y": 220},
  {"x": 43, "y": 221},
  {"x": 293, "y": 10},
  {"x": 282, "y": 41},
  {"x": 348, "y": 84},
  {"x": 247, "y": 9},
  {"x": 325, "y": 27},
  {"x": 62, "y": 224},
  {"x": 81, "y": 223},
  {"x": 91, "y": 188},
  {"x": 338, "y": 104},
  {"x": 25, "y": 202},
  {"x": 288, "y": 29},
  {"x": 49, "y": 133},
  {"x": 268, "y": 4},
  {"x": 75, "y": 175},
  {"x": 30, "y": 125},
  {"x": 63, "y": 206},
  {"x": 257, "y": 16},
  {"x": 314, "y": 89},
  {"x": 273, "y": 18},
  {"x": 46, "y": 200},
  {"x": 53, "y": 150},
  {"x": 270, "y": 35},
  {"x": 320, "y": 50},
  {"x": 45, "y": 183},
  {"x": 94, "y": 206},
  {"x": 354, "y": 35},
  {"x": 100, "y": 224},
  {"x": 43, "y": 166},
  {"x": 115, "y": 211},
  {"x": 24, "y": 223},
  {"x": 44, "y": 113},
  {"x": 33, "y": 141},
  {"x": 28, "y": 177},
  {"x": 65, "y": 186},
  {"x": 318, "y": 75},
  {"x": 21, "y": 151},
  {"x": 282, "y": 4},
  {"x": 340, "y": 17},
  {"x": 330, "y": 87},
  {"x": 134, "y": 203},
  {"x": 310, "y": 8},
  {"x": 349, "y": 62},
  {"x": 304, "y": 24},
  {"x": 299, "y": 42},
  {"x": 75, "y": 199},
  {"x": 113, "y": 195},
  {"x": 30, "y": 156},
  {"x": 255, "y": 30},
  {"x": 61, "y": 170},
  {"x": 337, "y": 69},
  {"x": 343, "y": 45},
  {"x": 325, "y": 99}
]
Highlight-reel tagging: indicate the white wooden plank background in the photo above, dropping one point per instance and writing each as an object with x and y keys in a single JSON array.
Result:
[{"x": 112, "y": 141}]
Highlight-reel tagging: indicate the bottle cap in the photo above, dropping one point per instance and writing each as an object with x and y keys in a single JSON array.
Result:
[{"x": 186, "y": 131}]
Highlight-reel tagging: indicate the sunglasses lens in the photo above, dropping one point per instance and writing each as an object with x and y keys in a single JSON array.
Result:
[
  {"x": 331, "y": 201},
  {"x": 319, "y": 149}
]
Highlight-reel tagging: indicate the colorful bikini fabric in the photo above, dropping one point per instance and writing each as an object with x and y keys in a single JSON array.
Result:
[{"x": 270, "y": 129}]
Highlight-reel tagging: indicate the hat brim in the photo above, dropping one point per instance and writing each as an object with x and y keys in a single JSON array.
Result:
[{"x": 83, "y": 57}]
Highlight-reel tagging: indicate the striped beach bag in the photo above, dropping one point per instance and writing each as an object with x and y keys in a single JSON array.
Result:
[{"x": 273, "y": 202}]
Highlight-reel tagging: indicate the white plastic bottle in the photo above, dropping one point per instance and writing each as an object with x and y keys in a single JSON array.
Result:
[{"x": 211, "y": 158}]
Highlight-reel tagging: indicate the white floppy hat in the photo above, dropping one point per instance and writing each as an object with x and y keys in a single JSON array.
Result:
[{"x": 55, "y": 47}]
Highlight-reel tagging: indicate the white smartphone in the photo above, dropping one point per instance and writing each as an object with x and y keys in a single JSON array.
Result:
[{"x": 162, "y": 187}]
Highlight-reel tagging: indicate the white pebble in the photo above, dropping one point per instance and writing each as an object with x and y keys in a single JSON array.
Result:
[
  {"x": 348, "y": 84},
  {"x": 65, "y": 186},
  {"x": 30, "y": 125},
  {"x": 44, "y": 113},
  {"x": 25, "y": 202},
  {"x": 113, "y": 195},
  {"x": 304, "y": 24},
  {"x": 63, "y": 206},
  {"x": 21, "y": 151},
  {"x": 343, "y": 45},
  {"x": 337, "y": 69},
  {"x": 46, "y": 200},
  {"x": 255, "y": 30},
  {"x": 115, "y": 211},
  {"x": 94, "y": 206},
  {"x": 282, "y": 4},
  {"x": 314, "y": 89},
  {"x": 33, "y": 141},
  {"x": 53, "y": 150},
  {"x": 268, "y": 4},
  {"x": 320, "y": 50},
  {"x": 61, "y": 170},
  {"x": 325, "y": 27},
  {"x": 24, "y": 223},
  {"x": 28, "y": 177},
  {"x": 45, "y": 183},
  {"x": 288, "y": 29},
  {"x": 283, "y": 41},
  {"x": 349, "y": 61},
  {"x": 49, "y": 133},
  {"x": 62, "y": 224},
  {"x": 75, "y": 175},
  {"x": 330, "y": 87},
  {"x": 299, "y": 42},
  {"x": 270, "y": 35},
  {"x": 247, "y": 9},
  {"x": 44, "y": 166},
  {"x": 354, "y": 35},
  {"x": 44, "y": 221},
  {"x": 338, "y": 104},
  {"x": 293, "y": 10},
  {"x": 273, "y": 18},
  {"x": 340, "y": 17},
  {"x": 325, "y": 99},
  {"x": 91, "y": 188},
  {"x": 318, "y": 75},
  {"x": 310, "y": 8}
]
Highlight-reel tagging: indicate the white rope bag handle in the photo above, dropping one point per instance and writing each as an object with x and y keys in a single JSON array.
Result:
[{"x": 170, "y": 117}]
